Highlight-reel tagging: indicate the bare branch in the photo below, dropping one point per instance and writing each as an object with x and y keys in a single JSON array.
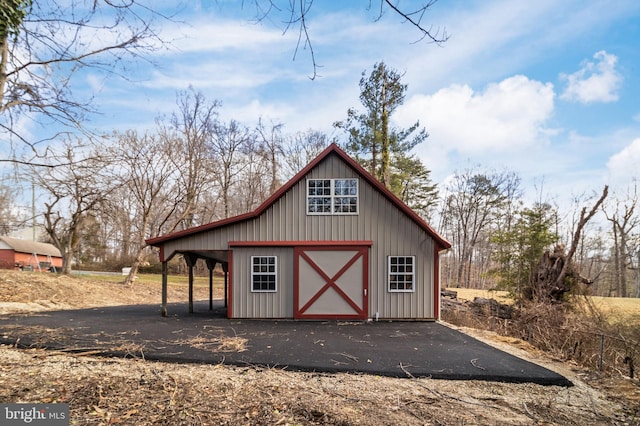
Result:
[
  {"x": 415, "y": 19},
  {"x": 52, "y": 43},
  {"x": 298, "y": 12},
  {"x": 584, "y": 218},
  {"x": 303, "y": 33}
]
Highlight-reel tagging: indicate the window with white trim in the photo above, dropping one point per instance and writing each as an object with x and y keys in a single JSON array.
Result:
[
  {"x": 264, "y": 271},
  {"x": 401, "y": 273},
  {"x": 332, "y": 196}
]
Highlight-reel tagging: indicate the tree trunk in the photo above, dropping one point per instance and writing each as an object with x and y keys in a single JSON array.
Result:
[
  {"x": 66, "y": 263},
  {"x": 274, "y": 171},
  {"x": 638, "y": 276},
  {"x": 622, "y": 258},
  {"x": 386, "y": 179},
  {"x": 4, "y": 53},
  {"x": 140, "y": 255},
  {"x": 135, "y": 266},
  {"x": 616, "y": 262},
  {"x": 584, "y": 219},
  {"x": 556, "y": 273}
]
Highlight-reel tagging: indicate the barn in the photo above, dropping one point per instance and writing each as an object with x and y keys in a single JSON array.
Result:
[
  {"x": 16, "y": 253},
  {"x": 332, "y": 243}
]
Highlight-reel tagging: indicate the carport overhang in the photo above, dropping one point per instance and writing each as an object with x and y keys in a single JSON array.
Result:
[{"x": 211, "y": 257}]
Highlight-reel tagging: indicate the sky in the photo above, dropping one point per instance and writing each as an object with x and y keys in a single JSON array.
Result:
[{"x": 549, "y": 90}]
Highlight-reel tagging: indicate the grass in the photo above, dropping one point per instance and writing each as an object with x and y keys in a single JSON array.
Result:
[
  {"x": 471, "y": 293},
  {"x": 616, "y": 309},
  {"x": 619, "y": 309},
  {"x": 173, "y": 280}
]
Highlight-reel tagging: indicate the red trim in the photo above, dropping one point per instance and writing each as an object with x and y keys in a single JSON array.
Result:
[
  {"x": 365, "y": 283},
  {"x": 330, "y": 282},
  {"x": 441, "y": 243},
  {"x": 436, "y": 284},
  {"x": 161, "y": 255},
  {"x": 330, "y": 317},
  {"x": 361, "y": 311},
  {"x": 367, "y": 243},
  {"x": 296, "y": 281},
  {"x": 230, "y": 284}
]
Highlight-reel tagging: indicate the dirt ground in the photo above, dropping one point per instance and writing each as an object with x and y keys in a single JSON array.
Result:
[{"x": 138, "y": 392}]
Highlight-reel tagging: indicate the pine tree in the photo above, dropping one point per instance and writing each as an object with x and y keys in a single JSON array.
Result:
[
  {"x": 382, "y": 149},
  {"x": 411, "y": 182},
  {"x": 519, "y": 249}
]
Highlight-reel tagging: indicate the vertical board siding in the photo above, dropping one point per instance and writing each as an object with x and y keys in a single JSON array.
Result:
[
  {"x": 248, "y": 304},
  {"x": 392, "y": 232}
]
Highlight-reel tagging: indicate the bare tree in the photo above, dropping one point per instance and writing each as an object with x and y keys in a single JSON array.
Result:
[
  {"x": 73, "y": 189},
  {"x": 300, "y": 149},
  {"x": 255, "y": 181},
  {"x": 473, "y": 203},
  {"x": 295, "y": 15},
  {"x": 46, "y": 44},
  {"x": 229, "y": 143},
  {"x": 272, "y": 146},
  {"x": 118, "y": 231},
  {"x": 148, "y": 171},
  {"x": 10, "y": 216},
  {"x": 624, "y": 220},
  {"x": 556, "y": 273},
  {"x": 189, "y": 132}
]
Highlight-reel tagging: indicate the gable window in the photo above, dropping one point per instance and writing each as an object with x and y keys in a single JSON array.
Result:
[
  {"x": 401, "y": 273},
  {"x": 332, "y": 196},
  {"x": 264, "y": 270}
]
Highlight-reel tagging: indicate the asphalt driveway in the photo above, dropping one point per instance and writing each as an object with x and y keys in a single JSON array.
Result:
[{"x": 400, "y": 349}]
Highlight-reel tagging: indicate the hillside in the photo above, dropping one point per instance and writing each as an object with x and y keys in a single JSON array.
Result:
[
  {"x": 30, "y": 292},
  {"x": 135, "y": 391}
]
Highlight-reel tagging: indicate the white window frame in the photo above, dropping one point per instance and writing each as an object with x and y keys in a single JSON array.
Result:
[
  {"x": 273, "y": 273},
  {"x": 391, "y": 272},
  {"x": 332, "y": 197}
]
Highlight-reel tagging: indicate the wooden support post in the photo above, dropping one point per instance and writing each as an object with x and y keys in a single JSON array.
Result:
[
  {"x": 211, "y": 264},
  {"x": 225, "y": 268},
  {"x": 191, "y": 262},
  {"x": 163, "y": 312},
  {"x": 190, "y": 289},
  {"x": 211, "y": 288}
]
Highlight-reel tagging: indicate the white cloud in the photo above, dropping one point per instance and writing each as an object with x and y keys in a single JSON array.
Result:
[
  {"x": 504, "y": 117},
  {"x": 225, "y": 35},
  {"x": 624, "y": 165},
  {"x": 596, "y": 81},
  {"x": 491, "y": 39},
  {"x": 210, "y": 75}
]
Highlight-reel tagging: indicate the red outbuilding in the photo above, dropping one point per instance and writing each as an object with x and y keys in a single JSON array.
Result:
[{"x": 16, "y": 253}]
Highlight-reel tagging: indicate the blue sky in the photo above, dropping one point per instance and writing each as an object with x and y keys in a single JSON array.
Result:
[{"x": 549, "y": 90}]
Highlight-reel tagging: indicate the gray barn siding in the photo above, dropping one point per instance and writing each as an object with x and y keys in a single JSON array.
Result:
[
  {"x": 247, "y": 304},
  {"x": 392, "y": 233}
]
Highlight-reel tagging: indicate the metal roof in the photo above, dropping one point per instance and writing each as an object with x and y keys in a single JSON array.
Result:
[{"x": 26, "y": 246}]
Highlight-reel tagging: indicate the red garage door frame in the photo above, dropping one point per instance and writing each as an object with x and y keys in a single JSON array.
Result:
[{"x": 360, "y": 308}]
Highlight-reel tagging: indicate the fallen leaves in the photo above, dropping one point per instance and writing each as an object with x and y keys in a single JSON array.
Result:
[{"x": 134, "y": 391}]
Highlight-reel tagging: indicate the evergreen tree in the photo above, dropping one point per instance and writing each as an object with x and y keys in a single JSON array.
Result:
[
  {"x": 411, "y": 182},
  {"x": 382, "y": 149},
  {"x": 519, "y": 249}
]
